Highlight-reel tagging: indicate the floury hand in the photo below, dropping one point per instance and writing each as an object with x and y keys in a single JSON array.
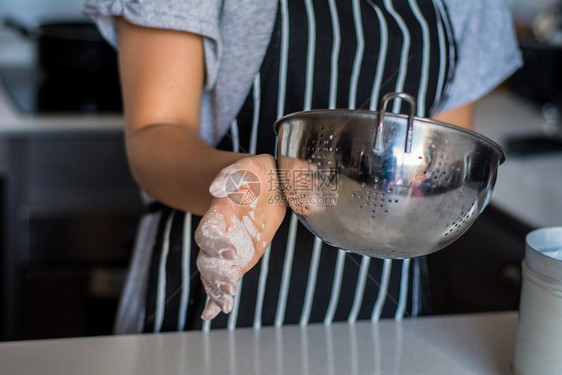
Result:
[{"x": 236, "y": 230}]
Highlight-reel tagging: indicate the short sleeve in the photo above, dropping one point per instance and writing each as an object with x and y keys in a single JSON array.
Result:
[
  {"x": 487, "y": 50},
  {"x": 195, "y": 16}
]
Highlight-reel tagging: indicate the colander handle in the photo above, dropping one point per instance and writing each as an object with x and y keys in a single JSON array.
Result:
[{"x": 387, "y": 98}]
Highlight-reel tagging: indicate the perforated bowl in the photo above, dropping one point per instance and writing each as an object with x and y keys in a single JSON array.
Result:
[{"x": 382, "y": 184}]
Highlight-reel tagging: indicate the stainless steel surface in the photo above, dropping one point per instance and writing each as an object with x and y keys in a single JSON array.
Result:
[{"x": 383, "y": 201}]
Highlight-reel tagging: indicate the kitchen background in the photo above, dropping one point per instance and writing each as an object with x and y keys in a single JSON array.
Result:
[{"x": 68, "y": 205}]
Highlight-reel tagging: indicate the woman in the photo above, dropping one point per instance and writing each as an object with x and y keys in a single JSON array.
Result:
[{"x": 203, "y": 82}]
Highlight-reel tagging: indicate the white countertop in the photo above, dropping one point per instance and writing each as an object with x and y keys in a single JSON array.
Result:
[
  {"x": 13, "y": 122},
  {"x": 17, "y": 51},
  {"x": 477, "y": 344}
]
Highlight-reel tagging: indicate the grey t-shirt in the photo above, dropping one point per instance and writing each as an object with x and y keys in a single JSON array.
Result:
[{"x": 237, "y": 33}]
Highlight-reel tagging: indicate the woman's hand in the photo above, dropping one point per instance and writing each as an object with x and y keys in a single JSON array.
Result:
[{"x": 237, "y": 228}]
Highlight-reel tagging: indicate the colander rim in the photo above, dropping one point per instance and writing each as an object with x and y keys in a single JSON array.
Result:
[{"x": 332, "y": 112}]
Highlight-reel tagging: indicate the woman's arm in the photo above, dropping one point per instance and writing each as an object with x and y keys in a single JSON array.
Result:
[
  {"x": 461, "y": 116},
  {"x": 162, "y": 75}
]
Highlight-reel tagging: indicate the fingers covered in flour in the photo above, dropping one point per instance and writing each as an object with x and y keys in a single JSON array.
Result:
[
  {"x": 211, "y": 311},
  {"x": 226, "y": 247},
  {"x": 221, "y": 234},
  {"x": 219, "y": 284},
  {"x": 219, "y": 276},
  {"x": 220, "y": 279}
]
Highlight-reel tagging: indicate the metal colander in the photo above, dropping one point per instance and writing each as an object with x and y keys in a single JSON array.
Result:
[{"x": 382, "y": 184}]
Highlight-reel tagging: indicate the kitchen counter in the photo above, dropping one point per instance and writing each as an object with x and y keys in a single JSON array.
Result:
[
  {"x": 20, "y": 52},
  {"x": 14, "y": 123},
  {"x": 461, "y": 344}
]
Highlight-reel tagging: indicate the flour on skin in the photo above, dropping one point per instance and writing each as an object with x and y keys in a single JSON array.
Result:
[
  {"x": 240, "y": 239},
  {"x": 227, "y": 248},
  {"x": 220, "y": 280},
  {"x": 251, "y": 228},
  {"x": 221, "y": 299},
  {"x": 210, "y": 311},
  {"x": 217, "y": 238},
  {"x": 210, "y": 235},
  {"x": 218, "y": 186},
  {"x": 226, "y": 238}
]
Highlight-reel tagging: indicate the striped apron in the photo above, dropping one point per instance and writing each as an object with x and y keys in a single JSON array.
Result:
[{"x": 322, "y": 54}]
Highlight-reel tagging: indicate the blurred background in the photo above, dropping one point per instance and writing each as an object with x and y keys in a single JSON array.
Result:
[
  {"x": 68, "y": 206},
  {"x": 31, "y": 13}
]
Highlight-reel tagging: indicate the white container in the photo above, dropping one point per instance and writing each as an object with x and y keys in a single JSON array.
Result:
[{"x": 538, "y": 350}]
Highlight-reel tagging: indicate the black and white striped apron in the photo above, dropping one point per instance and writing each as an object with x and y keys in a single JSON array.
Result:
[{"x": 322, "y": 54}]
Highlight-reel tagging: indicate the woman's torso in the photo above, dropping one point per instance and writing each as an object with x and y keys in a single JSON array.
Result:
[{"x": 323, "y": 54}]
